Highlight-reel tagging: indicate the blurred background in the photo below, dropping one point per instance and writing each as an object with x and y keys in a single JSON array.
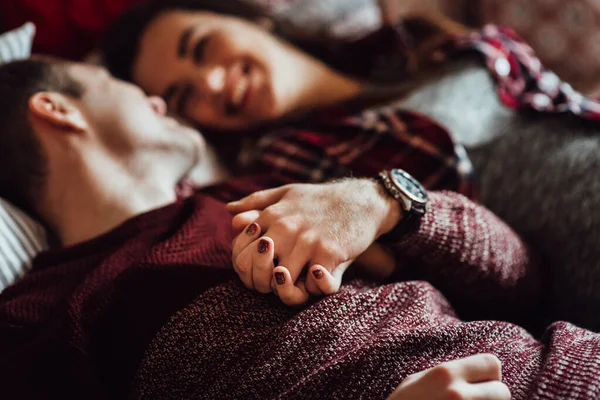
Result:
[{"x": 564, "y": 33}]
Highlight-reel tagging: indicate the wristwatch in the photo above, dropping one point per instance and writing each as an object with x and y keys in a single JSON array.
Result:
[{"x": 412, "y": 197}]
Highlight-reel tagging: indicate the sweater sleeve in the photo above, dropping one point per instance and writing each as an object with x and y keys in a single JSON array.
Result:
[{"x": 475, "y": 259}]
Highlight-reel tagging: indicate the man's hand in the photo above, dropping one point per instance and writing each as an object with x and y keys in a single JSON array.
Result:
[
  {"x": 477, "y": 377},
  {"x": 322, "y": 227}
]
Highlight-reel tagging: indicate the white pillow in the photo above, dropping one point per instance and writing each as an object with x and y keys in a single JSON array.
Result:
[
  {"x": 21, "y": 238},
  {"x": 16, "y": 44}
]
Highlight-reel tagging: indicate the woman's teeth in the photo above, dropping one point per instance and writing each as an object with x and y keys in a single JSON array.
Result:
[{"x": 240, "y": 91}]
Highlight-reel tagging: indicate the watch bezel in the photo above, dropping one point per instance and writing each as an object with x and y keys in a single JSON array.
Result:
[{"x": 417, "y": 199}]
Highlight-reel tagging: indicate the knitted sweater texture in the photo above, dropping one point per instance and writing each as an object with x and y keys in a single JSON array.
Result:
[{"x": 153, "y": 310}]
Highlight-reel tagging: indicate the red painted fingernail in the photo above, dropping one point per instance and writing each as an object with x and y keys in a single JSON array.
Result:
[
  {"x": 318, "y": 273},
  {"x": 280, "y": 278},
  {"x": 263, "y": 246},
  {"x": 251, "y": 230}
]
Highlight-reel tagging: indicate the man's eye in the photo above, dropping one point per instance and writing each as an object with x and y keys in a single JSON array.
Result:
[{"x": 199, "y": 50}]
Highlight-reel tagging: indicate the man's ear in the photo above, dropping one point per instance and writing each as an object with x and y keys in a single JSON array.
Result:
[{"x": 58, "y": 111}]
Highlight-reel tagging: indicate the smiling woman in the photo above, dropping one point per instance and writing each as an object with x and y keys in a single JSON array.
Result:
[
  {"x": 226, "y": 66},
  {"x": 220, "y": 65}
]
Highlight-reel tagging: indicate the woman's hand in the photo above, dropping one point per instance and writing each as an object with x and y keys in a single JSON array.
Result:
[
  {"x": 477, "y": 377},
  {"x": 321, "y": 227}
]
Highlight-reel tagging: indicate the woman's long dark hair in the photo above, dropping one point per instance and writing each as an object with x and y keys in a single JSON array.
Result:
[{"x": 120, "y": 44}]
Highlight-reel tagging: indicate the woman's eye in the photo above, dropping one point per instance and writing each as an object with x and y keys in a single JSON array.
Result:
[{"x": 199, "y": 50}]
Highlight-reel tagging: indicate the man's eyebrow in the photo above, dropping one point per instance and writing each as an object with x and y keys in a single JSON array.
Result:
[{"x": 184, "y": 41}]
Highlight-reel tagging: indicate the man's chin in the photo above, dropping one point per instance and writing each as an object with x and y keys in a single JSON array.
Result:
[
  {"x": 190, "y": 142},
  {"x": 199, "y": 143}
]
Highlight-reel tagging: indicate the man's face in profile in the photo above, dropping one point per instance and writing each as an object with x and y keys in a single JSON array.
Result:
[{"x": 128, "y": 124}]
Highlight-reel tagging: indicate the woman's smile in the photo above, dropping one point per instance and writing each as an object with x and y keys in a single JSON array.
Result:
[{"x": 241, "y": 84}]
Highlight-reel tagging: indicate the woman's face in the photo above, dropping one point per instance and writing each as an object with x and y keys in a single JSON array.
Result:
[{"x": 220, "y": 71}]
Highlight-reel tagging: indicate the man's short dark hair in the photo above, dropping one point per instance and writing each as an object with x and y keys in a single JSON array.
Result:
[{"x": 23, "y": 164}]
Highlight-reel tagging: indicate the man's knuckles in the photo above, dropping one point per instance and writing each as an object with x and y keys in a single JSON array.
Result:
[
  {"x": 329, "y": 253},
  {"x": 288, "y": 227}
]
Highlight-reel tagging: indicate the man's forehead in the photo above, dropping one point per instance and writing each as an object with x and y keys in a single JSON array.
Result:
[
  {"x": 49, "y": 59},
  {"x": 81, "y": 68},
  {"x": 56, "y": 62},
  {"x": 60, "y": 64},
  {"x": 87, "y": 74}
]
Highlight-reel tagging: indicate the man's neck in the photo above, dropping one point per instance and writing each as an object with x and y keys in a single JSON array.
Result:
[{"x": 90, "y": 203}]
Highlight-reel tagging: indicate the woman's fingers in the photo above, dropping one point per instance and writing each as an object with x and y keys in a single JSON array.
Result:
[
  {"x": 296, "y": 261},
  {"x": 249, "y": 235},
  {"x": 326, "y": 282},
  {"x": 262, "y": 264},
  {"x": 254, "y": 259},
  {"x": 289, "y": 293},
  {"x": 241, "y": 221},
  {"x": 254, "y": 264},
  {"x": 243, "y": 266},
  {"x": 322, "y": 279},
  {"x": 311, "y": 286}
]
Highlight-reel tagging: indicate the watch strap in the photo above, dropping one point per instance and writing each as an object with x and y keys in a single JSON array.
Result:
[{"x": 411, "y": 219}]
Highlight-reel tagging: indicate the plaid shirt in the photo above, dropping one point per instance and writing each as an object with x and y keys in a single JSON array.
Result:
[
  {"x": 521, "y": 80},
  {"x": 333, "y": 144}
]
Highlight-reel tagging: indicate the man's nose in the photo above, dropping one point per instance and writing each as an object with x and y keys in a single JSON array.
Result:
[{"x": 158, "y": 105}]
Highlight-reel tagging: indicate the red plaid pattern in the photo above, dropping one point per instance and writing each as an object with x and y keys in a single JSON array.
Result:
[
  {"x": 521, "y": 80},
  {"x": 333, "y": 144}
]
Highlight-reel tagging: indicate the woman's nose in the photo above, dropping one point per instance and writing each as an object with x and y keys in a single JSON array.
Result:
[{"x": 214, "y": 79}]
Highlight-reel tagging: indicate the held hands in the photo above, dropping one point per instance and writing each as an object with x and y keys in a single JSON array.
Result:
[
  {"x": 319, "y": 229},
  {"x": 478, "y": 377}
]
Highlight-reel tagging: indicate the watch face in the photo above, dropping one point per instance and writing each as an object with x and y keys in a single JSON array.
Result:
[{"x": 409, "y": 185}]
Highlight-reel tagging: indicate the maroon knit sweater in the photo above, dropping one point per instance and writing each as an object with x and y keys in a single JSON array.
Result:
[{"x": 153, "y": 310}]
